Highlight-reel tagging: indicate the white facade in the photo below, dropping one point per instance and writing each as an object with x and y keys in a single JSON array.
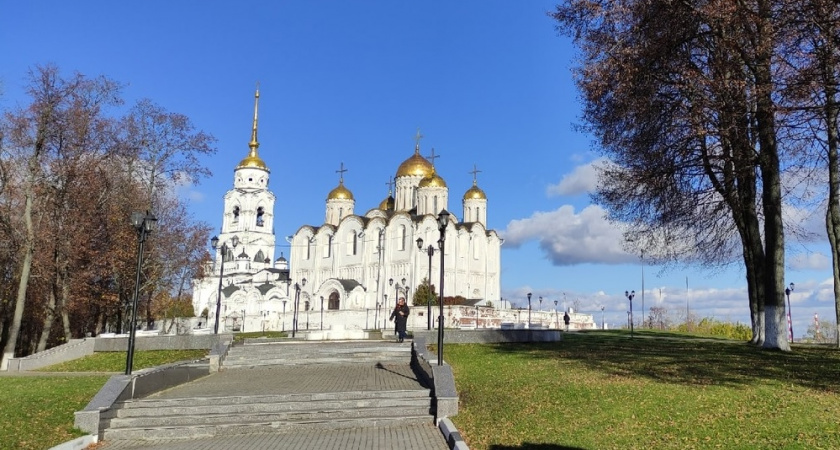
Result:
[
  {"x": 361, "y": 262},
  {"x": 253, "y": 296},
  {"x": 354, "y": 266}
]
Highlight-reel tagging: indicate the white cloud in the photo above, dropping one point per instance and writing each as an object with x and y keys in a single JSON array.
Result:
[
  {"x": 582, "y": 180},
  {"x": 568, "y": 238},
  {"x": 809, "y": 261}
]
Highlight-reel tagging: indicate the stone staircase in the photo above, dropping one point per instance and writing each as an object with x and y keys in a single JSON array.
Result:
[
  {"x": 284, "y": 387},
  {"x": 321, "y": 352}
]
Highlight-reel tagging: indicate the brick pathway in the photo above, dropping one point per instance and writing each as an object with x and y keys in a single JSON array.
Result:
[{"x": 301, "y": 379}]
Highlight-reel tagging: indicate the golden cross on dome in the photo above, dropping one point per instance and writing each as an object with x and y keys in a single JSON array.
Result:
[
  {"x": 417, "y": 138},
  {"x": 340, "y": 173},
  {"x": 432, "y": 157},
  {"x": 390, "y": 184},
  {"x": 474, "y": 172}
]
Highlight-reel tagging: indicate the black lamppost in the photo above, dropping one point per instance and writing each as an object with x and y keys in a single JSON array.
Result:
[
  {"x": 144, "y": 224},
  {"x": 443, "y": 221},
  {"x": 529, "y": 310},
  {"x": 396, "y": 290},
  {"x": 602, "y": 317},
  {"x": 284, "y": 315},
  {"x": 215, "y": 243},
  {"x": 430, "y": 251},
  {"x": 540, "y": 304},
  {"x": 790, "y": 320},
  {"x": 556, "y": 316},
  {"x": 297, "y": 306},
  {"x": 322, "y": 312},
  {"x": 630, "y": 296},
  {"x": 306, "y": 308}
]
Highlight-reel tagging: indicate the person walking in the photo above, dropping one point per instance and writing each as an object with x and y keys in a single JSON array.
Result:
[
  {"x": 566, "y": 320},
  {"x": 400, "y": 318}
]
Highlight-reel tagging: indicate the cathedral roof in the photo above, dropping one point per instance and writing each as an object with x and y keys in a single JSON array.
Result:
[
  {"x": 265, "y": 287},
  {"x": 340, "y": 193},
  {"x": 475, "y": 193},
  {"x": 229, "y": 289},
  {"x": 415, "y": 166},
  {"x": 253, "y": 159},
  {"x": 387, "y": 204},
  {"x": 432, "y": 180}
]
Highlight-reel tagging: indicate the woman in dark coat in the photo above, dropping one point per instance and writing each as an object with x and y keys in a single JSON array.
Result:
[{"x": 400, "y": 317}]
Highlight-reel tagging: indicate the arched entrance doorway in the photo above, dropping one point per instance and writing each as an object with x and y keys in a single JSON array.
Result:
[{"x": 335, "y": 301}]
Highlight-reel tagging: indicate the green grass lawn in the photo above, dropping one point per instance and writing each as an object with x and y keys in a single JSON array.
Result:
[
  {"x": 604, "y": 390},
  {"x": 36, "y": 411}
]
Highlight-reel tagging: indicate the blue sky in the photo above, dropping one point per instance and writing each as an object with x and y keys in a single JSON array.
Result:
[{"x": 488, "y": 83}]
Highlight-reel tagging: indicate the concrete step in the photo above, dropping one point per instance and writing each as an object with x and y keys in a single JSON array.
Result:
[
  {"x": 312, "y": 353},
  {"x": 237, "y": 428},
  {"x": 243, "y": 406},
  {"x": 154, "y": 403},
  {"x": 325, "y": 413}
]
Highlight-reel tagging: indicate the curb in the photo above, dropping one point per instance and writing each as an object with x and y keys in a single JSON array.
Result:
[
  {"x": 452, "y": 435},
  {"x": 78, "y": 443}
]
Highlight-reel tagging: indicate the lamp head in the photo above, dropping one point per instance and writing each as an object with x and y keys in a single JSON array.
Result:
[
  {"x": 390, "y": 281},
  {"x": 234, "y": 241},
  {"x": 403, "y": 281},
  {"x": 303, "y": 282},
  {"x": 150, "y": 222},
  {"x": 443, "y": 219},
  {"x": 420, "y": 243},
  {"x": 529, "y": 296},
  {"x": 214, "y": 242},
  {"x": 791, "y": 286},
  {"x": 137, "y": 220}
]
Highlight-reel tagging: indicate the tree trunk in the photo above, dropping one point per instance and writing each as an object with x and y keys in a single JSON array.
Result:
[
  {"x": 775, "y": 329},
  {"x": 23, "y": 283},
  {"x": 49, "y": 316}
]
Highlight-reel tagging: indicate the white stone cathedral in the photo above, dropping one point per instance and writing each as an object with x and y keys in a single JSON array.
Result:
[{"x": 347, "y": 272}]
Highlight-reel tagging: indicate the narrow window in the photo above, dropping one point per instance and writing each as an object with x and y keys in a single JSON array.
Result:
[{"x": 260, "y": 213}]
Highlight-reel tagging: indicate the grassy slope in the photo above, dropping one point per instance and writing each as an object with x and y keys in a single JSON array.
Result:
[
  {"x": 604, "y": 390},
  {"x": 36, "y": 411}
]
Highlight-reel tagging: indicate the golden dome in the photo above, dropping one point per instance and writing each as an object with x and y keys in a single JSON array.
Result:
[
  {"x": 387, "y": 204},
  {"x": 415, "y": 166},
  {"x": 475, "y": 193},
  {"x": 252, "y": 160},
  {"x": 340, "y": 193},
  {"x": 432, "y": 180}
]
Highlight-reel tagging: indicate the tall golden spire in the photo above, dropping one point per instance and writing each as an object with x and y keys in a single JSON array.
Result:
[
  {"x": 254, "y": 144},
  {"x": 253, "y": 159}
]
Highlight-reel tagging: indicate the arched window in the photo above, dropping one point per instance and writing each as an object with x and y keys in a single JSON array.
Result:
[
  {"x": 260, "y": 213},
  {"x": 308, "y": 248},
  {"x": 435, "y": 204},
  {"x": 403, "y": 237},
  {"x": 259, "y": 257},
  {"x": 235, "y": 214},
  {"x": 335, "y": 301},
  {"x": 328, "y": 246}
]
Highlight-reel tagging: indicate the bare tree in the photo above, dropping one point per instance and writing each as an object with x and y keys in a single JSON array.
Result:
[{"x": 680, "y": 97}]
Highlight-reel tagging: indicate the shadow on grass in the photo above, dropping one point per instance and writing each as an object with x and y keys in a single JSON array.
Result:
[
  {"x": 530, "y": 446},
  {"x": 684, "y": 359}
]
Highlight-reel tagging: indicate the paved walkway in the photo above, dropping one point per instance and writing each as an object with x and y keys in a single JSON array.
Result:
[{"x": 301, "y": 379}]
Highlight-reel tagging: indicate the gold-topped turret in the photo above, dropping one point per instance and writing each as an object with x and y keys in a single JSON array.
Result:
[
  {"x": 475, "y": 192},
  {"x": 432, "y": 180},
  {"x": 416, "y": 165},
  {"x": 253, "y": 159},
  {"x": 340, "y": 192}
]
